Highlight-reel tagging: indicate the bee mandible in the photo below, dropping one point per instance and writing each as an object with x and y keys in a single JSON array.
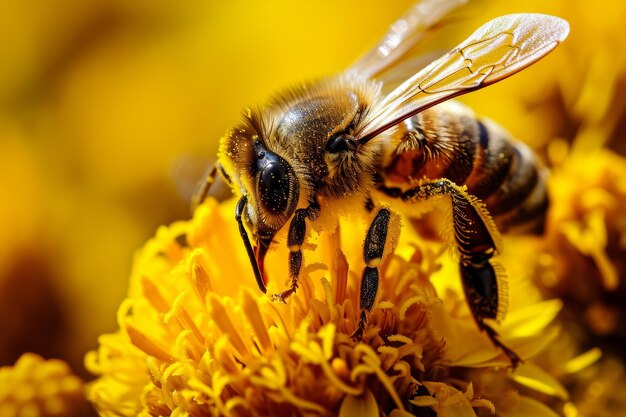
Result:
[{"x": 360, "y": 137}]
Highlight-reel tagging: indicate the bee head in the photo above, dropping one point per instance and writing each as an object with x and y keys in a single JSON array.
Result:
[{"x": 269, "y": 188}]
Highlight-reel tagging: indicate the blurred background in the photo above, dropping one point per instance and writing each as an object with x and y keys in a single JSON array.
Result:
[{"x": 110, "y": 110}]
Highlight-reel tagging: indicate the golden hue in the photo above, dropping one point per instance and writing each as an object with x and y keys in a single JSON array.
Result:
[
  {"x": 196, "y": 337},
  {"x": 35, "y": 387},
  {"x": 97, "y": 104},
  {"x": 109, "y": 112},
  {"x": 582, "y": 262},
  {"x": 585, "y": 255}
]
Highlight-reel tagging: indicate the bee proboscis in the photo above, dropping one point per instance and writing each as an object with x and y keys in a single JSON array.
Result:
[{"x": 358, "y": 137}]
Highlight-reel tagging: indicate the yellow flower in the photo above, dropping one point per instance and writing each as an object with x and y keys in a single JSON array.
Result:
[
  {"x": 36, "y": 387},
  {"x": 196, "y": 338},
  {"x": 584, "y": 259},
  {"x": 602, "y": 394},
  {"x": 583, "y": 262}
]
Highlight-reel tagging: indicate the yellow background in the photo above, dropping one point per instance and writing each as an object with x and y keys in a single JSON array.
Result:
[{"x": 109, "y": 111}]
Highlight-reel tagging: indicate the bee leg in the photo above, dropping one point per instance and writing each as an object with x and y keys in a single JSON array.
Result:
[
  {"x": 203, "y": 187},
  {"x": 475, "y": 238},
  {"x": 373, "y": 249},
  {"x": 295, "y": 240}
]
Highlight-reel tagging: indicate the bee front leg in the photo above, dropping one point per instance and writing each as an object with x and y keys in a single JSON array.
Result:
[
  {"x": 295, "y": 240},
  {"x": 203, "y": 187},
  {"x": 373, "y": 250},
  {"x": 475, "y": 236}
]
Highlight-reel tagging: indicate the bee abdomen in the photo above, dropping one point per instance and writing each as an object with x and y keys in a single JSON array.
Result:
[
  {"x": 509, "y": 179},
  {"x": 492, "y": 161},
  {"x": 448, "y": 141},
  {"x": 528, "y": 216}
]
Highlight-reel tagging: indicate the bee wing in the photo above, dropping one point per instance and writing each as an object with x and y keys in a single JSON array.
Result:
[
  {"x": 498, "y": 49},
  {"x": 404, "y": 36}
]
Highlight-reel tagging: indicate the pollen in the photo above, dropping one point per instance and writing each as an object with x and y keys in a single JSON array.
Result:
[
  {"x": 197, "y": 338},
  {"x": 374, "y": 263}
]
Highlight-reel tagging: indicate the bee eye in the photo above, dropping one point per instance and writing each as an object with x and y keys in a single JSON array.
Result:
[
  {"x": 278, "y": 193},
  {"x": 341, "y": 143}
]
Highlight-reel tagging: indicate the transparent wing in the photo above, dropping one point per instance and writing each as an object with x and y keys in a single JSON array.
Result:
[
  {"x": 404, "y": 36},
  {"x": 498, "y": 49}
]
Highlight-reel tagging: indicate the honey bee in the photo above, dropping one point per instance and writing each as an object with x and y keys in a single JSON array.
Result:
[{"x": 361, "y": 137}]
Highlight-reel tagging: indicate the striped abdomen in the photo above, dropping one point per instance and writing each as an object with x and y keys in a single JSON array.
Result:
[{"x": 448, "y": 141}]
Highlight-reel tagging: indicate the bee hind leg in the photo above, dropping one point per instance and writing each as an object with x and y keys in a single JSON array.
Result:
[
  {"x": 475, "y": 236},
  {"x": 373, "y": 250},
  {"x": 295, "y": 240},
  {"x": 480, "y": 284}
]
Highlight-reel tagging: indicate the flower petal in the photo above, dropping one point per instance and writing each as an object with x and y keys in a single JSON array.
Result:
[
  {"x": 528, "y": 407},
  {"x": 532, "y": 319},
  {"x": 362, "y": 406},
  {"x": 532, "y": 376}
]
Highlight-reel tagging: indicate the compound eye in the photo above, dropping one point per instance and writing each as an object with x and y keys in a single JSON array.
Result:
[{"x": 276, "y": 188}]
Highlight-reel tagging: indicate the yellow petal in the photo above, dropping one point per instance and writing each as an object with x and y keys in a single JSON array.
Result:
[
  {"x": 400, "y": 413},
  {"x": 528, "y": 407},
  {"x": 583, "y": 360},
  {"x": 529, "y": 346},
  {"x": 457, "y": 405},
  {"x": 532, "y": 376},
  {"x": 361, "y": 406},
  {"x": 531, "y": 320},
  {"x": 424, "y": 401}
]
